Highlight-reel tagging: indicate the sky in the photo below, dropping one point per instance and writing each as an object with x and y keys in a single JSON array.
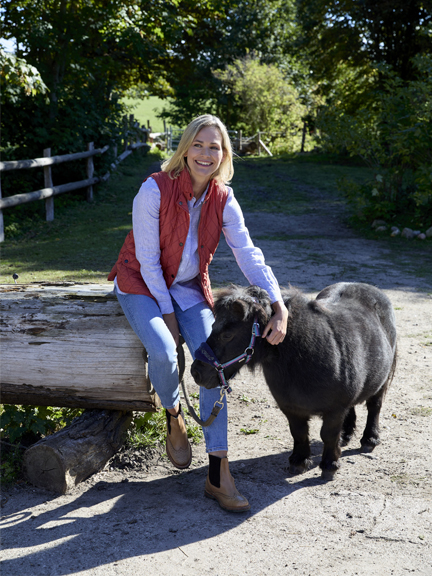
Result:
[{"x": 8, "y": 45}]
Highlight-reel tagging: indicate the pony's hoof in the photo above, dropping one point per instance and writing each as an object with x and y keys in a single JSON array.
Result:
[
  {"x": 369, "y": 445},
  {"x": 329, "y": 469},
  {"x": 300, "y": 467},
  {"x": 367, "y": 448},
  {"x": 328, "y": 475}
]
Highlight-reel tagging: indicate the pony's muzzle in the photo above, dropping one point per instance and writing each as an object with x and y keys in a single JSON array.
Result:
[{"x": 204, "y": 375}]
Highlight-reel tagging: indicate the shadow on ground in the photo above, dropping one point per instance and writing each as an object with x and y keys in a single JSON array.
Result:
[{"x": 114, "y": 521}]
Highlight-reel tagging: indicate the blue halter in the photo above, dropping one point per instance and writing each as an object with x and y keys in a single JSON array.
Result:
[{"x": 206, "y": 354}]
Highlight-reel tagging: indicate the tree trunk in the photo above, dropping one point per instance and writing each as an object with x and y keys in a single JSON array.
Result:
[
  {"x": 60, "y": 461},
  {"x": 70, "y": 345}
]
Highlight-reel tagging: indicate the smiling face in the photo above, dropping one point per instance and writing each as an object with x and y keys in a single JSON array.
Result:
[{"x": 205, "y": 154}]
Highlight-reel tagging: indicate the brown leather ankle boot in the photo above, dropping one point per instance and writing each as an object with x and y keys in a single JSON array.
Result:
[
  {"x": 221, "y": 487},
  {"x": 178, "y": 448}
]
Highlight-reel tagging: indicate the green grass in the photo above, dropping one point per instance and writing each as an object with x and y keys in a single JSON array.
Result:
[
  {"x": 149, "y": 429},
  {"x": 83, "y": 241},
  {"x": 146, "y": 110},
  {"x": 278, "y": 184}
]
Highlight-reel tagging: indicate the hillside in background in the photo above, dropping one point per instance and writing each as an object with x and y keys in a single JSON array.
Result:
[{"x": 147, "y": 109}]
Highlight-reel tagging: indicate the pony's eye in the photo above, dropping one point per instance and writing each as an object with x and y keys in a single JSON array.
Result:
[{"x": 227, "y": 336}]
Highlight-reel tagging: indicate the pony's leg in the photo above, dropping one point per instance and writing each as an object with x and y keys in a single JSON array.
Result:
[
  {"x": 299, "y": 459},
  {"x": 371, "y": 437},
  {"x": 330, "y": 435},
  {"x": 348, "y": 426}
]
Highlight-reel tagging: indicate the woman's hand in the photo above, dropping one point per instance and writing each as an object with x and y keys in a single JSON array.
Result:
[
  {"x": 277, "y": 327},
  {"x": 171, "y": 321}
]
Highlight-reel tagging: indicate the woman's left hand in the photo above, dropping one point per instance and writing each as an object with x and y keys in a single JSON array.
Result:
[{"x": 276, "y": 329}]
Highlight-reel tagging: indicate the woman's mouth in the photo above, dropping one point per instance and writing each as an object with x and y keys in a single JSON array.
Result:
[{"x": 205, "y": 164}]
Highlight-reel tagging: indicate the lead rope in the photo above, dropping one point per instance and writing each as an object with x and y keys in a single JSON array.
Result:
[
  {"x": 206, "y": 354},
  {"x": 218, "y": 405}
]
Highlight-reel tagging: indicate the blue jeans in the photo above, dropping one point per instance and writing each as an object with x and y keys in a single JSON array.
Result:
[{"x": 195, "y": 325}]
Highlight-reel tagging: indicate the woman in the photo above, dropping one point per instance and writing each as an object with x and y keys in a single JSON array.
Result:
[{"x": 162, "y": 283}]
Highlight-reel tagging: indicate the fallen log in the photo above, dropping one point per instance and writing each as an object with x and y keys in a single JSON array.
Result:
[
  {"x": 70, "y": 345},
  {"x": 60, "y": 461}
]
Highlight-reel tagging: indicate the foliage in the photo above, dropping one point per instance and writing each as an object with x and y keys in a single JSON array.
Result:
[
  {"x": 394, "y": 137},
  {"x": 19, "y": 423},
  {"x": 224, "y": 31},
  {"x": 18, "y": 76},
  {"x": 21, "y": 426},
  {"x": 149, "y": 428},
  {"x": 10, "y": 465},
  {"x": 362, "y": 35},
  {"x": 265, "y": 99},
  {"x": 88, "y": 53}
]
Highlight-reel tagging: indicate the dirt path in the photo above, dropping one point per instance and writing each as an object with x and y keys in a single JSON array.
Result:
[{"x": 374, "y": 518}]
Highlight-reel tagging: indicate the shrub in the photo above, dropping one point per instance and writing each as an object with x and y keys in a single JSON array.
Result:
[
  {"x": 393, "y": 135},
  {"x": 265, "y": 99}
]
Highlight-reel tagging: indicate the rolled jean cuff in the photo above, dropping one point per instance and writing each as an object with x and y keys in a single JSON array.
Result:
[
  {"x": 176, "y": 402},
  {"x": 216, "y": 449}
]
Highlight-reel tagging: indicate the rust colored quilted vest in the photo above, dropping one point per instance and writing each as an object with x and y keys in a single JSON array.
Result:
[{"x": 174, "y": 226}]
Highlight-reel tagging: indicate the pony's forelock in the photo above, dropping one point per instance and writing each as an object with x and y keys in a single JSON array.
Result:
[{"x": 257, "y": 300}]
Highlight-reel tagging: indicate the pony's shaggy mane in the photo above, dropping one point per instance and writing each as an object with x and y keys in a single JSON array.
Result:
[{"x": 256, "y": 299}]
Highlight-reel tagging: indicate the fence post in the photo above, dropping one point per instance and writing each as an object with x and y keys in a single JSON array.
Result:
[
  {"x": 2, "y": 236},
  {"x": 48, "y": 183},
  {"x": 240, "y": 141},
  {"x": 90, "y": 172},
  {"x": 132, "y": 129},
  {"x": 166, "y": 135},
  {"x": 258, "y": 142},
  {"x": 125, "y": 133}
]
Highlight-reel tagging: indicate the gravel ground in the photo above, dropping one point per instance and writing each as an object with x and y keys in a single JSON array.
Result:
[{"x": 141, "y": 516}]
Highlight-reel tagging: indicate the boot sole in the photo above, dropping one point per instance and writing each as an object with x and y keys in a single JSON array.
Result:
[{"x": 227, "y": 508}]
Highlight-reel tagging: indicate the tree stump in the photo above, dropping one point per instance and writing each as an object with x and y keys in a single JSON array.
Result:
[{"x": 60, "y": 461}]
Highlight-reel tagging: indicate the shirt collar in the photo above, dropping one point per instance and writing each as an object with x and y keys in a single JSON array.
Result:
[{"x": 196, "y": 203}]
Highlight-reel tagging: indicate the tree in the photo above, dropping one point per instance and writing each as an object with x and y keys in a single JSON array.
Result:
[
  {"x": 363, "y": 35},
  {"x": 264, "y": 99},
  {"x": 18, "y": 76},
  {"x": 394, "y": 137},
  {"x": 224, "y": 31},
  {"x": 87, "y": 53}
]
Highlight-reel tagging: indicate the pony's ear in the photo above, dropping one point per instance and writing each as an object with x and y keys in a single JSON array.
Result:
[
  {"x": 240, "y": 309},
  {"x": 258, "y": 293},
  {"x": 263, "y": 312}
]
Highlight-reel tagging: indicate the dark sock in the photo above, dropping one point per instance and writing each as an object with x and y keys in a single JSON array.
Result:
[
  {"x": 214, "y": 470},
  {"x": 169, "y": 416}
]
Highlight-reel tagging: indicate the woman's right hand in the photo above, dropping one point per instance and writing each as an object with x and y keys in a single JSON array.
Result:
[{"x": 171, "y": 321}]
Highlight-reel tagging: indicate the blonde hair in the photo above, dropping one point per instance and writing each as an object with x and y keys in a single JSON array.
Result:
[{"x": 177, "y": 162}]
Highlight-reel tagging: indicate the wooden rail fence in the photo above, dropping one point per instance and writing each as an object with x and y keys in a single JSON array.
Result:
[{"x": 133, "y": 137}]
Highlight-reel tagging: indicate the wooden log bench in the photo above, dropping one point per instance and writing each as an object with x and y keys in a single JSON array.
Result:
[{"x": 70, "y": 345}]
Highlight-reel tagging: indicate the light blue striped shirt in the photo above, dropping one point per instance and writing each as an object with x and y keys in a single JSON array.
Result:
[{"x": 186, "y": 288}]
